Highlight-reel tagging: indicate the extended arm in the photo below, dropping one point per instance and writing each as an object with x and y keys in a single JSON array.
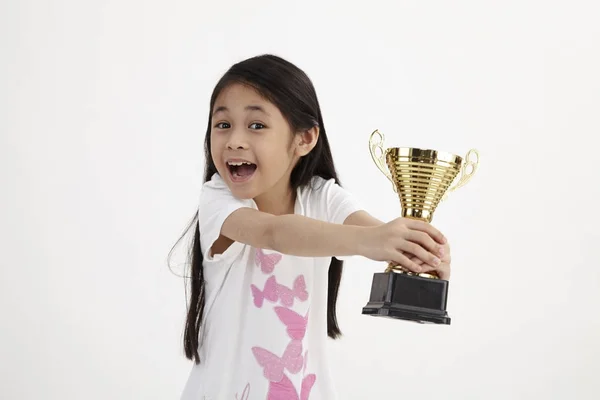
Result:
[
  {"x": 307, "y": 237},
  {"x": 362, "y": 218},
  {"x": 293, "y": 234}
]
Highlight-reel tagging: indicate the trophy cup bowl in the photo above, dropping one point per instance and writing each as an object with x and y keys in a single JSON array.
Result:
[{"x": 422, "y": 178}]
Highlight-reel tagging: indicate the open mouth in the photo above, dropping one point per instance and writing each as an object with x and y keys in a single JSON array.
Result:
[{"x": 241, "y": 170}]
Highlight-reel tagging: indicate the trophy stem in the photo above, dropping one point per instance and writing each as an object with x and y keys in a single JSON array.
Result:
[
  {"x": 401, "y": 270},
  {"x": 418, "y": 214}
]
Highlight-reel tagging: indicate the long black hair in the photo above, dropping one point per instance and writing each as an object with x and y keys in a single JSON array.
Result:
[{"x": 289, "y": 88}]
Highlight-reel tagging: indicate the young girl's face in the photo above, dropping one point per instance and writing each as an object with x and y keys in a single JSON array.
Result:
[{"x": 251, "y": 142}]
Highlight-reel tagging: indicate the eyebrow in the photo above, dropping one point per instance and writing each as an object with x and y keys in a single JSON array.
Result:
[{"x": 248, "y": 108}]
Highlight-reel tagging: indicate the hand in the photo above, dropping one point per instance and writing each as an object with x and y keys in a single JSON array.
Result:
[
  {"x": 443, "y": 270},
  {"x": 399, "y": 240}
]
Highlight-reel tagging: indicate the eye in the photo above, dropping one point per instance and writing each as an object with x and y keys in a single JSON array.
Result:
[
  {"x": 256, "y": 125},
  {"x": 223, "y": 125}
]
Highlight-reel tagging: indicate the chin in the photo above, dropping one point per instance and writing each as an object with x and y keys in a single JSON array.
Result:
[{"x": 241, "y": 193}]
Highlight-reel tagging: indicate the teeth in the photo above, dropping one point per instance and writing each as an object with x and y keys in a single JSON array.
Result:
[{"x": 238, "y": 163}]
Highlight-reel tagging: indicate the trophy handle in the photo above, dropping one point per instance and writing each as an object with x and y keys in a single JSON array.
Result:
[
  {"x": 376, "y": 143},
  {"x": 466, "y": 172}
]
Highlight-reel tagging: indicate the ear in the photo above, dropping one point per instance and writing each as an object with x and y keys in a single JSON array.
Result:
[{"x": 307, "y": 140}]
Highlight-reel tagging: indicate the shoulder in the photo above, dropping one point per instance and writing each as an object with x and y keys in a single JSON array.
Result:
[
  {"x": 216, "y": 184},
  {"x": 217, "y": 201},
  {"x": 212, "y": 193},
  {"x": 215, "y": 205},
  {"x": 319, "y": 186},
  {"x": 216, "y": 190},
  {"x": 325, "y": 199},
  {"x": 325, "y": 189},
  {"x": 318, "y": 191}
]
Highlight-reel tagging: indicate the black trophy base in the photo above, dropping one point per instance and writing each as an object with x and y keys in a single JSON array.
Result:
[{"x": 408, "y": 297}]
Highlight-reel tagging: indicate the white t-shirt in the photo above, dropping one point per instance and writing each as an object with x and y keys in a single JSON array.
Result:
[{"x": 265, "y": 315}]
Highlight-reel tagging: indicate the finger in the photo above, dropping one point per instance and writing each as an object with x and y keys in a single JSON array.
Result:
[
  {"x": 427, "y": 228},
  {"x": 403, "y": 261},
  {"x": 420, "y": 252},
  {"x": 442, "y": 271},
  {"x": 416, "y": 260},
  {"x": 426, "y": 241}
]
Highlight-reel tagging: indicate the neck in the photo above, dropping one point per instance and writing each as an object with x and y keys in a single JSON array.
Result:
[{"x": 280, "y": 200}]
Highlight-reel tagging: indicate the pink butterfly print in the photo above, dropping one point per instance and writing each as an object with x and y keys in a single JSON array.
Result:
[
  {"x": 287, "y": 295},
  {"x": 285, "y": 390},
  {"x": 294, "y": 322},
  {"x": 269, "y": 292},
  {"x": 245, "y": 393},
  {"x": 291, "y": 360},
  {"x": 267, "y": 262},
  {"x": 273, "y": 291}
]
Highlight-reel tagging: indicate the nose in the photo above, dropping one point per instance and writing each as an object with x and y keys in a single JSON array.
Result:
[{"x": 237, "y": 140}]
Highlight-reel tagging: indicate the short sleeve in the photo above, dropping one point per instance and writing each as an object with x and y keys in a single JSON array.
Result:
[
  {"x": 339, "y": 202},
  {"x": 334, "y": 203},
  {"x": 215, "y": 205}
]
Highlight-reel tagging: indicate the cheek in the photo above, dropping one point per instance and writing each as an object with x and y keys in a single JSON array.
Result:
[
  {"x": 275, "y": 164},
  {"x": 216, "y": 148},
  {"x": 274, "y": 151}
]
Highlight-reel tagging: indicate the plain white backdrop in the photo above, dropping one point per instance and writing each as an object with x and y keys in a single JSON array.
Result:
[{"x": 103, "y": 110}]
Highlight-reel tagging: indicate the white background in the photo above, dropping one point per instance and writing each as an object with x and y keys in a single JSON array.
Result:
[{"x": 103, "y": 109}]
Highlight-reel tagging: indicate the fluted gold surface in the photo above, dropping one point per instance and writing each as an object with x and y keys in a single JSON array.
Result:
[{"x": 421, "y": 177}]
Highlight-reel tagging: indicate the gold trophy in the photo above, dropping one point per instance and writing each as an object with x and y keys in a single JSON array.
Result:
[{"x": 421, "y": 178}]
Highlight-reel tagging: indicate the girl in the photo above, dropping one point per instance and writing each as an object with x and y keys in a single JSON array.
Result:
[{"x": 272, "y": 228}]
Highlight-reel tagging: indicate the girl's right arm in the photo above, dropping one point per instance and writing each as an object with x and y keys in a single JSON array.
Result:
[{"x": 307, "y": 237}]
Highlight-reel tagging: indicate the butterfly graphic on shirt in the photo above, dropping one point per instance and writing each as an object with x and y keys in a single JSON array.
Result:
[
  {"x": 266, "y": 262},
  {"x": 273, "y": 366},
  {"x": 245, "y": 394},
  {"x": 285, "y": 390},
  {"x": 294, "y": 322},
  {"x": 274, "y": 291}
]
